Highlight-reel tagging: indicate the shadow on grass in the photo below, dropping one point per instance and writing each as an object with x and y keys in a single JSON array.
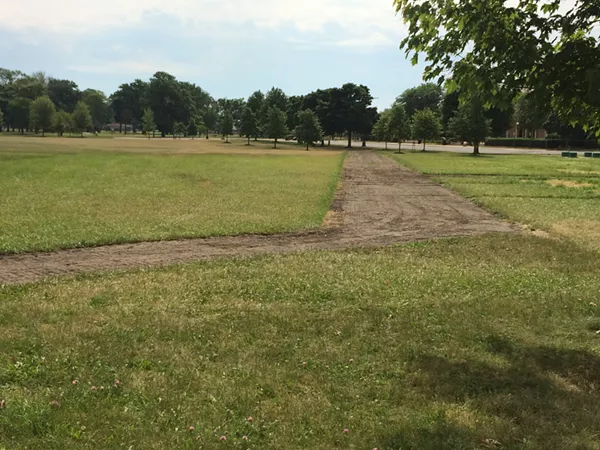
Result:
[{"x": 538, "y": 397}]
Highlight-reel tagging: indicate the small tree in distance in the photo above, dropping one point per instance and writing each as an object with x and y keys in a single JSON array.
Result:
[
  {"x": 227, "y": 126},
  {"x": 470, "y": 123},
  {"x": 426, "y": 125},
  {"x": 398, "y": 125},
  {"x": 308, "y": 129},
  {"x": 82, "y": 120},
  {"x": 276, "y": 127},
  {"x": 200, "y": 125},
  {"x": 62, "y": 122},
  {"x": 381, "y": 129},
  {"x": 41, "y": 114},
  {"x": 148, "y": 124},
  {"x": 179, "y": 129},
  {"x": 249, "y": 125}
]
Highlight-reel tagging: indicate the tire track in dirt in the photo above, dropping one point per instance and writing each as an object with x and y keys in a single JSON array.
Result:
[{"x": 379, "y": 204}]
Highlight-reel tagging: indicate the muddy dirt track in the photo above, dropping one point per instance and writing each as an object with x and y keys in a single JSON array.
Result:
[{"x": 379, "y": 204}]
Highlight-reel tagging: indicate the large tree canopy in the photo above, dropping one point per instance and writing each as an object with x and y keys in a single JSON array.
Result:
[
  {"x": 425, "y": 96},
  {"x": 499, "y": 49}
]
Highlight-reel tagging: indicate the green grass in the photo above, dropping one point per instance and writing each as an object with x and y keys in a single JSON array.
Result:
[
  {"x": 53, "y": 199},
  {"x": 560, "y": 196},
  {"x": 514, "y": 165},
  {"x": 448, "y": 345}
]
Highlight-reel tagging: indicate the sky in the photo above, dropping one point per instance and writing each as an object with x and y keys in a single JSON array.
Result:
[{"x": 230, "y": 48}]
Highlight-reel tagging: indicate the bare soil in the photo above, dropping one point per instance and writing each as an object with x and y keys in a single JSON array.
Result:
[{"x": 379, "y": 204}]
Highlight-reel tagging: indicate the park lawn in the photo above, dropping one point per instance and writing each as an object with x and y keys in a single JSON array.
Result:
[
  {"x": 485, "y": 342},
  {"x": 557, "y": 195},
  {"x": 77, "y": 198}
]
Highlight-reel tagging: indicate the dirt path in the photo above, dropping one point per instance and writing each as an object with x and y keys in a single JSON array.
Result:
[{"x": 380, "y": 203}]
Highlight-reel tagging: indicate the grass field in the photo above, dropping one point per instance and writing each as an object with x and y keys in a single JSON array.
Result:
[
  {"x": 466, "y": 343},
  {"x": 486, "y": 342},
  {"x": 63, "y": 193},
  {"x": 561, "y": 196}
]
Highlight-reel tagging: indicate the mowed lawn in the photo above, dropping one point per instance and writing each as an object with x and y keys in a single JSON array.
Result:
[
  {"x": 64, "y": 193},
  {"x": 487, "y": 342},
  {"x": 557, "y": 195}
]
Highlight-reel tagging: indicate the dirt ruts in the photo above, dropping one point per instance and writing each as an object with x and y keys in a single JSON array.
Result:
[{"x": 379, "y": 204}]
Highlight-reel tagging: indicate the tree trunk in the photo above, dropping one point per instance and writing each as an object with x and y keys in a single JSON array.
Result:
[
  {"x": 322, "y": 143},
  {"x": 386, "y": 144},
  {"x": 364, "y": 142},
  {"x": 275, "y": 143},
  {"x": 329, "y": 143},
  {"x": 306, "y": 146},
  {"x": 248, "y": 139},
  {"x": 206, "y": 134},
  {"x": 349, "y": 139},
  {"x": 399, "y": 146},
  {"x": 120, "y": 127},
  {"x": 43, "y": 133},
  {"x": 423, "y": 144},
  {"x": 476, "y": 148}
]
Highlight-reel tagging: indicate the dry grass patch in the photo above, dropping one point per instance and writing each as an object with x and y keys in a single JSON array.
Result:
[{"x": 568, "y": 184}]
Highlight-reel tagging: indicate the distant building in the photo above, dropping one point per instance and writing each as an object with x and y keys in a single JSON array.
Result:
[{"x": 522, "y": 132}]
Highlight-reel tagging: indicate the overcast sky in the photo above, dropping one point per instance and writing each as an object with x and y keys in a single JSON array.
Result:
[{"x": 228, "y": 47}]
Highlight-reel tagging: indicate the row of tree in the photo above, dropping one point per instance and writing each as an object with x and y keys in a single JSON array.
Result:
[{"x": 181, "y": 108}]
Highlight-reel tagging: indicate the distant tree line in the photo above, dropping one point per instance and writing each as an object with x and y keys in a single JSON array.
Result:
[
  {"x": 35, "y": 102},
  {"x": 168, "y": 106}
]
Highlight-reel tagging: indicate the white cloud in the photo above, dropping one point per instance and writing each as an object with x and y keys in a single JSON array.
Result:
[
  {"x": 84, "y": 16},
  {"x": 130, "y": 67},
  {"x": 372, "y": 41}
]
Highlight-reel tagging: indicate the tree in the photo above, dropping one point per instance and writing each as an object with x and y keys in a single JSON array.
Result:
[
  {"x": 275, "y": 98},
  {"x": 148, "y": 124},
  {"x": 18, "y": 113},
  {"x": 381, "y": 129},
  {"x": 200, "y": 125},
  {"x": 425, "y": 96},
  {"x": 249, "y": 125},
  {"x": 293, "y": 108},
  {"x": 211, "y": 118},
  {"x": 165, "y": 99},
  {"x": 1, "y": 119},
  {"x": 426, "y": 125},
  {"x": 256, "y": 103},
  {"x": 528, "y": 114},
  {"x": 449, "y": 106},
  {"x": 352, "y": 106},
  {"x": 179, "y": 129},
  {"x": 64, "y": 94},
  {"x": 98, "y": 106},
  {"x": 276, "y": 126},
  {"x": 308, "y": 128},
  {"x": 227, "y": 125},
  {"x": 82, "y": 119},
  {"x": 547, "y": 49},
  {"x": 41, "y": 114},
  {"x": 62, "y": 122},
  {"x": 129, "y": 103},
  {"x": 398, "y": 124},
  {"x": 470, "y": 123}
]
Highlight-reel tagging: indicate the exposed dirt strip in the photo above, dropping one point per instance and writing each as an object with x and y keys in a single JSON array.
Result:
[{"x": 379, "y": 204}]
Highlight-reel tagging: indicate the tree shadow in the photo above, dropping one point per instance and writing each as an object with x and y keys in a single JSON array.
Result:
[{"x": 537, "y": 397}]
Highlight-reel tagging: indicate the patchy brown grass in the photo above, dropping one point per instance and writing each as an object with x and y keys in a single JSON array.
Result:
[{"x": 568, "y": 183}]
